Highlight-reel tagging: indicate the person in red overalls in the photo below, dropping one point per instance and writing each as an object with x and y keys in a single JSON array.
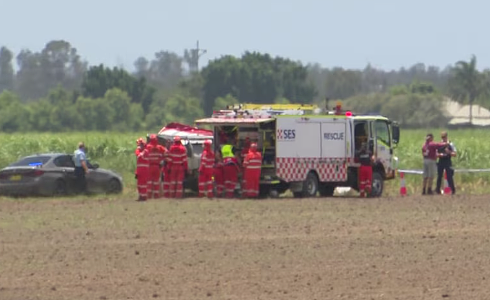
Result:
[
  {"x": 231, "y": 168},
  {"x": 166, "y": 172},
  {"x": 366, "y": 159},
  {"x": 245, "y": 149},
  {"x": 206, "y": 171},
  {"x": 156, "y": 157},
  {"x": 219, "y": 176},
  {"x": 142, "y": 173},
  {"x": 252, "y": 167},
  {"x": 178, "y": 167},
  {"x": 243, "y": 154},
  {"x": 140, "y": 146}
]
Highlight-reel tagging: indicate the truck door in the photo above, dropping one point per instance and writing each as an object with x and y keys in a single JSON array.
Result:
[
  {"x": 383, "y": 144},
  {"x": 334, "y": 137},
  {"x": 362, "y": 134}
]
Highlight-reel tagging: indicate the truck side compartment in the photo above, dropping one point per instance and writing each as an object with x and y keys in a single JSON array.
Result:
[{"x": 318, "y": 145}]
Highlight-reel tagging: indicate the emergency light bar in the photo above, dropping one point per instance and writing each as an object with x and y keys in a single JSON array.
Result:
[
  {"x": 269, "y": 110},
  {"x": 278, "y": 107},
  {"x": 240, "y": 115}
]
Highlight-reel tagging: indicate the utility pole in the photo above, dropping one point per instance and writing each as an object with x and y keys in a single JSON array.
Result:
[{"x": 196, "y": 54}]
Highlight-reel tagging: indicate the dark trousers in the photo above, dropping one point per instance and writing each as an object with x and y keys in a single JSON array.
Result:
[
  {"x": 81, "y": 180},
  {"x": 440, "y": 173}
]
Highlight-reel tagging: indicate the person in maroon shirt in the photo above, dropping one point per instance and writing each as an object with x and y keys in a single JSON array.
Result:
[{"x": 429, "y": 152}]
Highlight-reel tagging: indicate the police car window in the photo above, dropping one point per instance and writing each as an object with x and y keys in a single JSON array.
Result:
[
  {"x": 64, "y": 161},
  {"x": 31, "y": 161},
  {"x": 382, "y": 132}
]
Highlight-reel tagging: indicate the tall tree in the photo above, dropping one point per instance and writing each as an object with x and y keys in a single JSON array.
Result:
[
  {"x": 342, "y": 84},
  {"x": 166, "y": 70},
  {"x": 57, "y": 64},
  {"x": 141, "y": 66},
  {"x": 61, "y": 64},
  {"x": 467, "y": 83},
  {"x": 13, "y": 114},
  {"x": 6, "y": 70},
  {"x": 30, "y": 83},
  {"x": 256, "y": 77},
  {"x": 99, "y": 79}
]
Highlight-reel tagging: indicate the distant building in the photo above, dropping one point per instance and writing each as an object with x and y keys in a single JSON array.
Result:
[{"x": 459, "y": 115}]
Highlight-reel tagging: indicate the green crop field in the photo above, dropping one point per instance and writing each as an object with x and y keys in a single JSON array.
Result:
[{"x": 116, "y": 151}]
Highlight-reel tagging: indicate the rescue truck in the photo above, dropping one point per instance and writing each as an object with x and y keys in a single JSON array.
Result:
[
  {"x": 307, "y": 149},
  {"x": 193, "y": 139}
]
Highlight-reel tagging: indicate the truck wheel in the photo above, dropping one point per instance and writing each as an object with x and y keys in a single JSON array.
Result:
[
  {"x": 377, "y": 185},
  {"x": 310, "y": 186},
  {"x": 273, "y": 194},
  {"x": 326, "y": 190}
]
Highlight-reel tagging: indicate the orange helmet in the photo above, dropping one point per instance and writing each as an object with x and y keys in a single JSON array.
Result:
[
  {"x": 253, "y": 146},
  {"x": 140, "y": 141},
  {"x": 177, "y": 139},
  {"x": 207, "y": 142}
]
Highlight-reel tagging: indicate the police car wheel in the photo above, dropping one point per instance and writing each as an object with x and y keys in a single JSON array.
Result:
[
  {"x": 114, "y": 186},
  {"x": 60, "y": 188}
]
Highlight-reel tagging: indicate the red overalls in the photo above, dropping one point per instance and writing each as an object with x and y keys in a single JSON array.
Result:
[
  {"x": 156, "y": 156},
  {"x": 243, "y": 155},
  {"x": 365, "y": 174},
  {"x": 219, "y": 178},
  {"x": 177, "y": 168},
  {"x": 166, "y": 175},
  {"x": 251, "y": 174},
  {"x": 136, "y": 153},
  {"x": 206, "y": 172},
  {"x": 142, "y": 170},
  {"x": 230, "y": 170}
]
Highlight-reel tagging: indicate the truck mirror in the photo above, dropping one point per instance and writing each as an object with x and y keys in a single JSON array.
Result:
[{"x": 396, "y": 134}]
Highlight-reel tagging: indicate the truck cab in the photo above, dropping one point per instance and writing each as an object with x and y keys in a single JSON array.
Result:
[{"x": 382, "y": 136}]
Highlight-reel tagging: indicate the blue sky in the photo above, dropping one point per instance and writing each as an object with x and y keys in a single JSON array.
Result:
[{"x": 348, "y": 33}]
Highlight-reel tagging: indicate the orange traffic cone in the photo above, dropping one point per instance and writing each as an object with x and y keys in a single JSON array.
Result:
[
  {"x": 447, "y": 188},
  {"x": 403, "y": 188}
]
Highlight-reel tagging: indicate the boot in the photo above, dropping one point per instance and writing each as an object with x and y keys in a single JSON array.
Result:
[
  {"x": 423, "y": 191},
  {"x": 429, "y": 191}
]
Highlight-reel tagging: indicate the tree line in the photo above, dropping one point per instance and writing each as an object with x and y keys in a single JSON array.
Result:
[{"x": 56, "y": 90}]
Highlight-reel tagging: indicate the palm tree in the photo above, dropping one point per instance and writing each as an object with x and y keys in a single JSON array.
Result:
[{"x": 469, "y": 81}]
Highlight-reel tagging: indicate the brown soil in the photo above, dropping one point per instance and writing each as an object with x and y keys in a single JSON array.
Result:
[{"x": 390, "y": 248}]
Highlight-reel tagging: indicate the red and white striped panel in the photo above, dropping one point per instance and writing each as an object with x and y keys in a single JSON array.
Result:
[{"x": 328, "y": 169}]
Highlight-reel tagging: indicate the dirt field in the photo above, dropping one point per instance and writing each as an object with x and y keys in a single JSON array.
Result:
[{"x": 391, "y": 248}]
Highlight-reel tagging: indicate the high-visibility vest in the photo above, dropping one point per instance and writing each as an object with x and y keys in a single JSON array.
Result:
[{"x": 227, "y": 151}]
